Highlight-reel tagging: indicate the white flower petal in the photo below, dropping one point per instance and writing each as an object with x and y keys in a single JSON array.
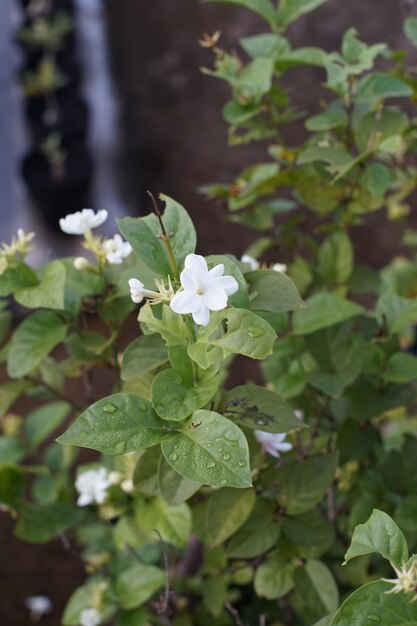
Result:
[
  {"x": 228, "y": 283},
  {"x": 217, "y": 271},
  {"x": 185, "y": 302},
  {"x": 197, "y": 263},
  {"x": 189, "y": 280},
  {"x": 215, "y": 299},
  {"x": 285, "y": 447},
  {"x": 202, "y": 316}
]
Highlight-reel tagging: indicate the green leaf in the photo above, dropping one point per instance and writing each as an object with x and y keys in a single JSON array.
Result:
[
  {"x": 174, "y": 488},
  {"x": 145, "y": 244},
  {"x": 275, "y": 577},
  {"x": 170, "y": 325},
  {"x": 79, "y": 286},
  {"x": 33, "y": 340},
  {"x": 49, "y": 293},
  {"x": 379, "y": 534},
  {"x": 138, "y": 584},
  {"x": 333, "y": 117},
  {"x": 259, "y": 408},
  {"x": 210, "y": 450},
  {"x": 215, "y": 594},
  {"x": 406, "y": 514},
  {"x": 175, "y": 398},
  {"x": 335, "y": 258},
  {"x": 12, "y": 484},
  {"x": 114, "y": 425},
  {"x": 81, "y": 599},
  {"x": 301, "y": 485},
  {"x": 379, "y": 86},
  {"x": 172, "y": 522},
  {"x": 145, "y": 475},
  {"x": 246, "y": 333},
  {"x": 178, "y": 225},
  {"x": 11, "y": 450},
  {"x": 259, "y": 533},
  {"x": 291, "y": 10},
  {"x": 10, "y": 392},
  {"x": 227, "y": 510},
  {"x": 41, "y": 422},
  {"x": 334, "y": 384},
  {"x": 371, "y": 605},
  {"x": 272, "y": 291},
  {"x": 401, "y": 368},
  {"x": 410, "y": 29},
  {"x": 323, "y": 310},
  {"x": 396, "y": 312},
  {"x": 316, "y": 590},
  {"x": 241, "y": 298},
  {"x": 309, "y": 529},
  {"x": 143, "y": 355},
  {"x": 18, "y": 277},
  {"x": 264, "y": 8},
  {"x": 41, "y": 523},
  {"x": 377, "y": 178}
]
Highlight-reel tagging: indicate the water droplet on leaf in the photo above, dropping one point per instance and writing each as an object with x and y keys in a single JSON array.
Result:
[
  {"x": 254, "y": 332},
  {"x": 173, "y": 456},
  {"x": 374, "y": 618},
  {"x": 109, "y": 408},
  {"x": 242, "y": 463},
  {"x": 223, "y": 482},
  {"x": 211, "y": 464},
  {"x": 226, "y": 456}
]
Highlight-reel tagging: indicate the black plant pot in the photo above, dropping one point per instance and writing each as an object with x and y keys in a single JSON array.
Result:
[
  {"x": 56, "y": 196},
  {"x": 69, "y": 116}
]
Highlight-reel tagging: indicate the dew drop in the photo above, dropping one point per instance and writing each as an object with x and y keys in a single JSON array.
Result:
[
  {"x": 255, "y": 332},
  {"x": 242, "y": 463},
  {"x": 261, "y": 422},
  {"x": 211, "y": 464},
  {"x": 109, "y": 408},
  {"x": 223, "y": 482},
  {"x": 226, "y": 456},
  {"x": 143, "y": 406},
  {"x": 374, "y": 618},
  {"x": 173, "y": 456}
]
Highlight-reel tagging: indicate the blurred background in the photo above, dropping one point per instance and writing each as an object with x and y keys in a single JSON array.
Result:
[{"x": 101, "y": 100}]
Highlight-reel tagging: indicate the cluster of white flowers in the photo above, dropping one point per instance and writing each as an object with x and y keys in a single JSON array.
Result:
[
  {"x": 92, "y": 486},
  {"x": 254, "y": 264},
  {"x": 202, "y": 290},
  {"x": 273, "y": 443},
  {"x": 90, "y": 617},
  {"x": 82, "y": 223}
]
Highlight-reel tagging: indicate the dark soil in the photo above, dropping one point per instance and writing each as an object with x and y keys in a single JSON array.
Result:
[{"x": 175, "y": 141}]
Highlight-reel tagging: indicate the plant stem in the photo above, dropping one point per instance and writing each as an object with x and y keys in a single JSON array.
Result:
[{"x": 166, "y": 239}]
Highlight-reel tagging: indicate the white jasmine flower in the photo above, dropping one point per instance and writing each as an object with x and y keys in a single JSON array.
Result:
[
  {"x": 250, "y": 260},
  {"x": 92, "y": 486},
  {"x": 203, "y": 290},
  {"x": 38, "y": 606},
  {"x": 280, "y": 267},
  {"x": 273, "y": 443},
  {"x": 138, "y": 291},
  {"x": 90, "y": 617},
  {"x": 116, "y": 249},
  {"x": 82, "y": 221}
]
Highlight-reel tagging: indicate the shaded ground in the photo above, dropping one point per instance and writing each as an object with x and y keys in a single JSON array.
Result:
[{"x": 175, "y": 141}]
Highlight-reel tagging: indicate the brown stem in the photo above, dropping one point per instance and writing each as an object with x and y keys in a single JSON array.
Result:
[{"x": 234, "y": 613}]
